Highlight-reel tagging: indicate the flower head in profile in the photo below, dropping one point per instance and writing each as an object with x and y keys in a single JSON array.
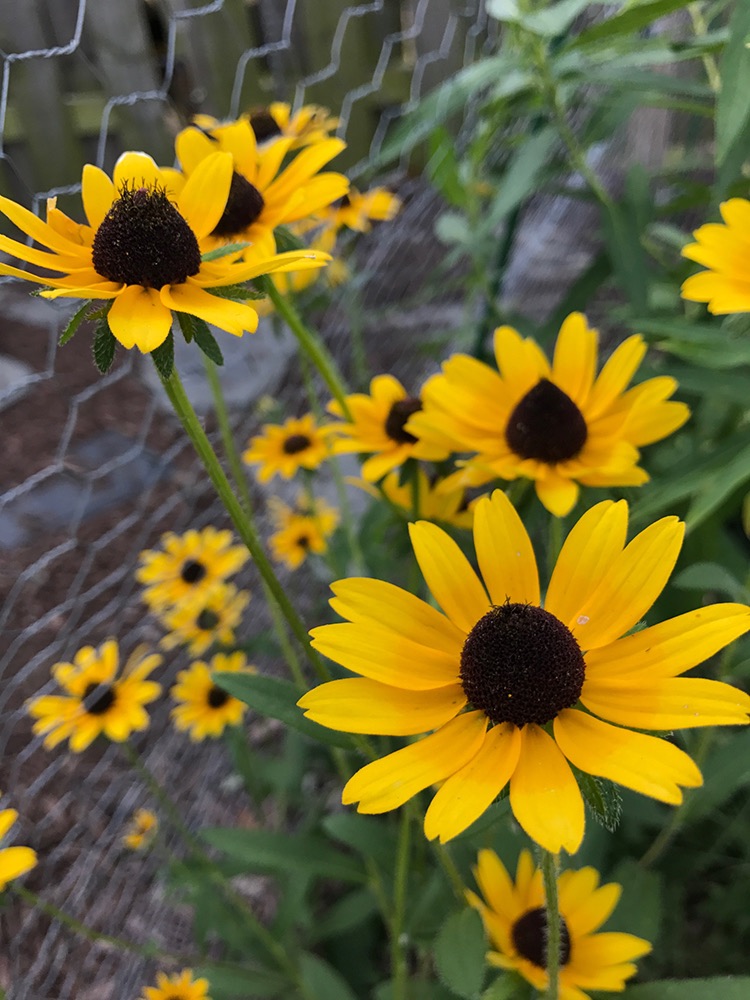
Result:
[
  {"x": 724, "y": 249},
  {"x": 514, "y": 692},
  {"x": 141, "y": 250},
  {"x": 180, "y": 986},
  {"x": 301, "y": 530},
  {"x": 431, "y": 503},
  {"x": 515, "y": 920},
  {"x": 14, "y": 861},
  {"x": 98, "y": 699},
  {"x": 141, "y": 830},
  {"x": 188, "y": 566},
  {"x": 559, "y": 424},
  {"x": 203, "y": 708},
  {"x": 311, "y": 124},
  {"x": 199, "y": 624},
  {"x": 378, "y": 428},
  {"x": 284, "y": 449}
]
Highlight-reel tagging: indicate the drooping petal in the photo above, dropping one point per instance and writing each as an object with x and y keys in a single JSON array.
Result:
[
  {"x": 674, "y": 703},
  {"x": 203, "y": 199},
  {"x": 558, "y": 494},
  {"x": 39, "y": 231},
  {"x": 139, "y": 319},
  {"x": 452, "y": 581},
  {"x": 504, "y": 552},
  {"x": 234, "y": 317}
]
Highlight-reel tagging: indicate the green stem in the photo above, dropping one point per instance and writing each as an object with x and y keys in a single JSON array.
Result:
[
  {"x": 489, "y": 305},
  {"x": 549, "y": 865},
  {"x": 399, "y": 969},
  {"x": 554, "y": 543},
  {"x": 452, "y": 873},
  {"x": 311, "y": 345},
  {"x": 177, "y": 396}
]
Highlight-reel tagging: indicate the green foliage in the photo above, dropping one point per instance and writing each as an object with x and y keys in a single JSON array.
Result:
[
  {"x": 103, "y": 347},
  {"x": 692, "y": 989},
  {"x": 73, "y": 323},
  {"x": 459, "y": 954}
]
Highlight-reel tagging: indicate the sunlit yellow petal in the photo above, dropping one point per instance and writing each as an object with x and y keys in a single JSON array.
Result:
[
  {"x": 139, "y": 319},
  {"x": 574, "y": 362},
  {"x": 675, "y": 703},
  {"x": 136, "y": 169},
  {"x": 452, "y": 581},
  {"x": 203, "y": 199},
  {"x": 558, "y": 494},
  {"x": 504, "y": 552},
  {"x": 234, "y": 317},
  {"x": 97, "y": 193}
]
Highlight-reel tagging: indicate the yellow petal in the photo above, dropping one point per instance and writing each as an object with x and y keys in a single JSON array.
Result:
[
  {"x": 504, "y": 552},
  {"x": 234, "y": 317},
  {"x": 519, "y": 361},
  {"x": 615, "y": 376},
  {"x": 544, "y": 795},
  {"x": 137, "y": 169},
  {"x": 574, "y": 363},
  {"x": 238, "y": 139},
  {"x": 97, "y": 193},
  {"x": 675, "y": 703},
  {"x": 612, "y": 948},
  {"x": 192, "y": 145},
  {"x": 469, "y": 792},
  {"x": 644, "y": 763},
  {"x": 558, "y": 494},
  {"x": 39, "y": 231},
  {"x": 358, "y": 705},
  {"x": 204, "y": 197},
  {"x": 586, "y": 907},
  {"x": 452, "y": 581},
  {"x": 139, "y": 319},
  {"x": 388, "y": 783},
  {"x": 7, "y": 819},
  {"x": 304, "y": 165},
  {"x": 216, "y": 275},
  {"x": 15, "y": 861}
]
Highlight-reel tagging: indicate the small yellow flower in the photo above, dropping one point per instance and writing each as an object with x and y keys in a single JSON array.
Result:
[
  {"x": 432, "y": 503},
  {"x": 284, "y": 449},
  {"x": 141, "y": 830},
  {"x": 14, "y": 861},
  {"x": 188, "y": 566},
  {"x": 358, "y": 210},
  {"x": 200, "y": 624},
  {"x": 302, "y": 530},
  {"x": 97, "y": 701},
  {"x": 515, "y": 920},
  {"x": 305, "y": 127},
  {"x": 180, "y": 986},
  {"x": 203, "y": 709},
  {"x": 725, "y": 251}
]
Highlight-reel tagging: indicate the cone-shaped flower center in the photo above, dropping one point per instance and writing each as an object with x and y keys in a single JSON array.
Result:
[
  {"x": 399, "y": 414},
  {"x": 192, "y": 571},
  {"x": 207, "y": 620},
  {"x": 143, "y": 240},
  {"x": 304, "y": 542},
  {"x": 546, "y": 425},
  {"x": 520, "y": 664},
  {"x": 98, "y": 698},
  {"x": 217, "y": 697},
  {"x": 530, "y": 937},
  {"x": 244, "y": 205},
  {"x": 264, "y": 125},
  {"x": 296, "y": 443}
]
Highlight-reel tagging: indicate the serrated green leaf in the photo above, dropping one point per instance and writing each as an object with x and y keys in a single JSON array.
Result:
[
  {"x": 322, "y": 980},
  {"x": 187, "y": 325},
  {"x": 269, "y": 850},
  {"x": 163, "y": 357},
  {"x": 238, "y": 293},
  {"x": 723, "y": 987},
  {"x": 103, "y": 347},
  {"x": 459, "y": 953},
  {"x": 73, "y": 323},
  {"x": 733, "y": 106},
  {"x": 238, "y": 984},
  {"x": 224, "y": 251},
  {"x": 603, "y": 798},
  {"x": 207, "y": 342},
  {"x": 278, "y": 699}
]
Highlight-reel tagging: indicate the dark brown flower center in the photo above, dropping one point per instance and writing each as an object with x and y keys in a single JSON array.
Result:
[
  {"x": 345, "y": 201},
  {"x": 217, "y": 697},
  {"x": 295, "y": 443},
  {"x": 304, "y": 542},
  {"x": 530, "y": 938},
  {"x": 546, "y": 425},
  {"x": 193, "y": 571},
  {"x": 143, "y": 240},
  {"x": 207, "y": 620},
  {"x": 244, "y": 205},
  {"x": 264, "y": 124},
  {"x": 398, "y": 416},
  {"x": 98, "y": 698},
  {"x": 520, "y": 664}
]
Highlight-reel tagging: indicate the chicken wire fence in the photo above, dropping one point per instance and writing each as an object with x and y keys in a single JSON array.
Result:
[{"x": 95, "y": 469}]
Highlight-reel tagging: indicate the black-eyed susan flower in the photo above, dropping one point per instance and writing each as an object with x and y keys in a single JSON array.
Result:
[
  {"x": 204, "y": 709},
  {"x": 310, "y": 124},
  {"x": 262, "y": 193},
  {"x": 141, "y": 830},
  {"x": 188, "y": 566},
  {"x": 199, "y": 624},
  {"x": 725, "y": 250},
  {"x": 284, "y": 449},
  {"x": 180, "y": 986},
  {"x": 98, "y": 701},
  {"x": 142, "y": 250},
  {"x": 515, "y": 920},
  {"x": 431, "y": 503},
  {"x": 378, "y": 428},
  {"x": 515, "y": 692},
  {"x": 301, "y": 530},
  {"x": 359, "y": 209},
  {"x": 557, "y": 424},
  {"x": 14, "y": 861}
]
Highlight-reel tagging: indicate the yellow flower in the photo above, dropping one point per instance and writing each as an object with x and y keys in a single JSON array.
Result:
[
  {"x": 557, "y": 424},
  {"x": 378, "y": 426},
  {"x": 432, "y": 503},
  {"x": 358, "y": 210},
  {"x": 725, "y": 251},
  {"x": 188, "y": 566},
  {"x": 14, "y": 861},
  {"x": 141, "y": 830},
  {"x": 199, "y": 624},
  {"x": 204, "y": 709},
  {"x": 180, "y": 986},
  {"x": 305, "y": 127},
  {"x": 97, "y": 701},
  {"x": 142, "y": 250},
  {"x": 262, "y": 195},
  {"x": 286, "y": 448},
  {"x": 515, "y": 920},
  {"x": 301, "y": 531},
  {"x": 515, "y": 692}
]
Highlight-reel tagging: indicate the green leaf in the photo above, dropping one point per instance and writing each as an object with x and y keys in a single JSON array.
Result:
[
  {"x": 369, "y": 836},
  {"x": 522, "y": 176},
  {"x": 725, "y": 772},
  {"x": 418, "y": 990},
  {"x": 639, "y": 910},
  {"x": 347, "y": 913},
  {"x": 269, "y": 850},
  {"x": 723, "y": 987},
  {"x": 443, "y": 168},
  {"x": 733, "y": 106},
  {"x": 554, "y": 20},
  {"x": 278, "y": 699},
  {"x": 103, "y": 347},
  {"x": 459, "y": 953},
  {"x": 628, "y": 20},
  {"x": 716, "y": 487},
  {"x": 238, "y": 984},
  {"x": 207, "y": 342},
  {"x": 73, "y": 323},
  {"x": 604, "y": 799},
  {"x": 238, "y": 293},
  {"x": 163, "y": 356},
  {"x": 322, "y": 980},
  {"x": 287, "y": 240},
  {"x": 705, "y": 576},
  {"x": 452, "y": 229},
  {"x": 223, "y": 251},
  {"x": 504, "y": 988}
]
